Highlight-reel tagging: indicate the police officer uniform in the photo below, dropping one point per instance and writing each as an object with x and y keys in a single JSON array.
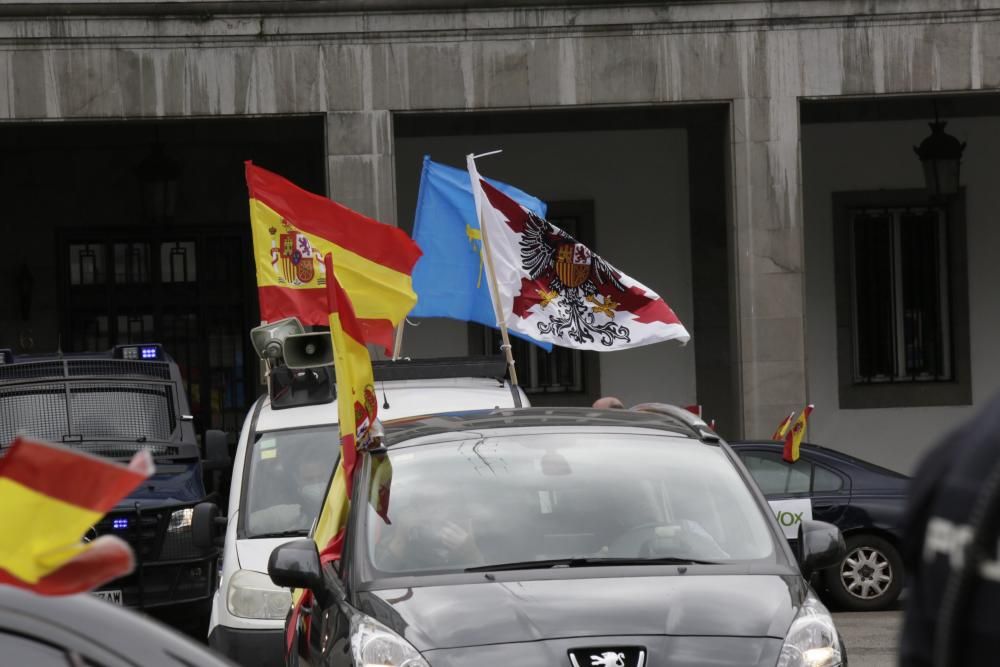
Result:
[{"x": 951, "y": 550}]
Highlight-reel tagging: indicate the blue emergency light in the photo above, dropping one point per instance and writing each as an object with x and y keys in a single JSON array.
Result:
[
  {"x": 119, "y": 524},
  {"x": 145, "y": 352}
]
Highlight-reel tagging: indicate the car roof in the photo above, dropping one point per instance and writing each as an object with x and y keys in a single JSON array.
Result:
[
  {"x": 137, "y": 638},
  {"x": 547, "y": 418},
  {"x": 406, "y": 398}
]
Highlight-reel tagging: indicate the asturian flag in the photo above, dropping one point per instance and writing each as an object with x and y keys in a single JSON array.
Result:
[{"x": 554, "y": 289}]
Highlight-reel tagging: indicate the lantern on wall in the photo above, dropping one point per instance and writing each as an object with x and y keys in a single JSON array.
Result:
[{"x": 941, "y": 156}]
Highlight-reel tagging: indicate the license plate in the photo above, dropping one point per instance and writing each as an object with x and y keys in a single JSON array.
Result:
[{"x": 114, "y": 597}]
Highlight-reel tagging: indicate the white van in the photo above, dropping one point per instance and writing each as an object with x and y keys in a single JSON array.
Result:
[{"x": 283, "y": 461}]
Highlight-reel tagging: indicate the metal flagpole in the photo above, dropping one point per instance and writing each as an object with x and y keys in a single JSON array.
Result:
[{"x": 485, "y": 251}]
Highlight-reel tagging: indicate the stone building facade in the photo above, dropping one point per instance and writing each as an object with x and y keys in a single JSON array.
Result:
[{"x": 733, "y": 123}]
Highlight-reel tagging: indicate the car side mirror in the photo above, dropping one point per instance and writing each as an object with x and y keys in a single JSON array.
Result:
[
  {"x": 820, "y": 545},
  {"x": 296, "y": 565},
  {"x": 207, "y": 527},
  {"x": 216, "y": 450}
]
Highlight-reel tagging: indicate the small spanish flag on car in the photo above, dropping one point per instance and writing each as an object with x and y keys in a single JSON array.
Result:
[
  {"x": 782, "y": 430},
  {"x": 294, "y": 231},
  {"x": 50, "y": 496},
  {"x": 793, "y": 439},
  {"x": 357, "y": 409}
]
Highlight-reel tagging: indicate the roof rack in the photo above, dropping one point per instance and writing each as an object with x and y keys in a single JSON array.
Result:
[
  {"x": 691, "y": 420},
  {"x": 445, "y": 367}
]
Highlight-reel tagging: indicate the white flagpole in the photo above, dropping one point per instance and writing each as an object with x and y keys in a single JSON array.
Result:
[
  {"x": 398, "y": 343},
  {"x": 501, "y": 320}
]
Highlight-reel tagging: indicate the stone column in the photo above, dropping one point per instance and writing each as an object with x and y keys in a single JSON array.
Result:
[
  {"x": 769, "y": 256},
  {"x": 360, "y": 165}
]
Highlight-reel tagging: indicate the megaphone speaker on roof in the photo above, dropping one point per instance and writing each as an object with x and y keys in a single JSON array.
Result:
[
  {"x": 308, "y": 350},
  {"x": 268, "y": 339}
]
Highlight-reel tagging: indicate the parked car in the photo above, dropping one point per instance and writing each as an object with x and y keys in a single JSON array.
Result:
[
  {"x": 113, "y": 404},
  {"x": 285, "y": 456},
  {"x": 864, "y": 500},
  {"x": 563, "y": 536},
  {"x": 80, "y": 630}
]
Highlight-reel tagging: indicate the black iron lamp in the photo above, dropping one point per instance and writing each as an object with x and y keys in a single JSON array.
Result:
[
  {"x": 158, "y": 175},
  {"x": 941, "y": 156}
]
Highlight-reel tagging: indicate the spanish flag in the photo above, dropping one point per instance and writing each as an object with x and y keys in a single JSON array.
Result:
[
  {"x": 50, "y": 496},
  {"x": 793, "y": 439},
  {"x": 294, "y": 231},
  {"x": 357, "y": 408},
  {"x": 779, "y": 433}
]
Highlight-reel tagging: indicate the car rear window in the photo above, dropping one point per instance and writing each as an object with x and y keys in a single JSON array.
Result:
[{"x": 540, "y": 496}]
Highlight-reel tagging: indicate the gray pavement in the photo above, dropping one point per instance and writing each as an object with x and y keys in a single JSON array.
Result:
[{"x": 870, "y": 636}]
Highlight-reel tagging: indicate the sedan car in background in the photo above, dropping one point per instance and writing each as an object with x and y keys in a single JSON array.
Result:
[
  {"x": 864, "y": 500},
  {"x": 540, "y": 537}
]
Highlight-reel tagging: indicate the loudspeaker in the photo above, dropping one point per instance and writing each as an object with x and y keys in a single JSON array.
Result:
[
  {"x": 267, "y": 339},
  {"x": 308, "y": 350}
]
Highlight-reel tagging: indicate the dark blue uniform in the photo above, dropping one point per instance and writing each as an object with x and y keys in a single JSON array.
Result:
[{"x": 951, "y": 550}]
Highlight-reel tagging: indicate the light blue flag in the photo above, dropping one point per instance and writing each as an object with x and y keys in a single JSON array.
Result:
[{"x": 450, "y": 278}]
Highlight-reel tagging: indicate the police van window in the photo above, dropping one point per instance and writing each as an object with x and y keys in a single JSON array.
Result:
[
  {"x": 825, "y": 480},
  {"x": 774, "y": 476}
]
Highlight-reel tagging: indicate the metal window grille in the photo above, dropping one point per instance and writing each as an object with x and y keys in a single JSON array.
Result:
[{"x": 899, "y": 293}]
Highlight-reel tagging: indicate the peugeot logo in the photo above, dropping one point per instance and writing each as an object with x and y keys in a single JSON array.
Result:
[
  {"x": 632, "y": 656},
  {"x": 90, "y": 535}
]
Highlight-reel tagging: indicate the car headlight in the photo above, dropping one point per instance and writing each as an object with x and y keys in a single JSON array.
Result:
[
  {"x": 812, "y": 640},
  {"x": 252, "y": 595},
  {"x": 375, "y": 645},
  {"x": 180, "y": 520}
]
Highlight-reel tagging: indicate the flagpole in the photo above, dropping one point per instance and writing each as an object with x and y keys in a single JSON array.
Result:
[
  {"x": 398, "y": 343},
  {"x": 485, "y": 251}
]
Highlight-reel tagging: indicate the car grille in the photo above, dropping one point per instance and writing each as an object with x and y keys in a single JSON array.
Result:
[{"x": 146, "y": 532}]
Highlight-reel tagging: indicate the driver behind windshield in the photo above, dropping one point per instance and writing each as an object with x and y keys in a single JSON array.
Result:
[
  {"x": 288, "y": 484},
  {"x": 427, "y": 534}
]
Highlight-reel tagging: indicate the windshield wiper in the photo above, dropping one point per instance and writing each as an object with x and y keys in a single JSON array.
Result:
[
  {"x": 299, "y": 532},
  {"x": 587, "y": 562}
]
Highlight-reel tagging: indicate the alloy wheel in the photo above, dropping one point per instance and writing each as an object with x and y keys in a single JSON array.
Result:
[{"x": 866, "y": 573}]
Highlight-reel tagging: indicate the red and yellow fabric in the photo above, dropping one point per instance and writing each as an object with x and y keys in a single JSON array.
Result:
[
  {"x": 295, "y": 230},
  {"x": 793, "y": 439},
  {"x": 357, "y": 408},
  {"x": 782, "y": 430},
  {"x": 50, "y": 496}
]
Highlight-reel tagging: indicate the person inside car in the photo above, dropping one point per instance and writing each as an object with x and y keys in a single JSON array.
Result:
[{"x": 427, "y": 534}]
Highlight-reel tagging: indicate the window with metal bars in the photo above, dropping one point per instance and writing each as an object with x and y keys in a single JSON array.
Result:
[
  {"x": 902, "y": 300},
  {"x": 899, "y": 289}
]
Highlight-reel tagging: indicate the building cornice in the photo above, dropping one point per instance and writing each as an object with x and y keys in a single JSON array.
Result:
[{"x": 131, "y": 22}]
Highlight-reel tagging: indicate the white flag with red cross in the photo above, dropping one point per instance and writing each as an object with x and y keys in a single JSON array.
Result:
[{"x": 553, "y": 288}]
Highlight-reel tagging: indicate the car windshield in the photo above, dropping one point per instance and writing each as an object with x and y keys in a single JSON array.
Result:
[
  {"x": 586, "y": 498},
  {"x": 288, "y": 475}
]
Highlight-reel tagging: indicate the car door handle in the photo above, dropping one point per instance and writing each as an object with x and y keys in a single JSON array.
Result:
[{"x": 823, "y": 507}]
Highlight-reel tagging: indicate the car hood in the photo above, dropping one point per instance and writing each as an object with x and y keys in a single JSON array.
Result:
[
  {"x": 172, "y": 483},
  {"x": 253, "y": 553},
  {"x": 498, "y": 612}
]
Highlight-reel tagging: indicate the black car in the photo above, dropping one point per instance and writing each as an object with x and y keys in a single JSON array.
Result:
[
  {"x": 113, "y": 404},
  {"x": 79, "y": 630},
  {"x": 565, "y": 536},
  {"x": 862, "y": 499}
]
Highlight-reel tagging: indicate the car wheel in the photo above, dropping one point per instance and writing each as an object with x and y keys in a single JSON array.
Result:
[{"x": 870, "y": 576}]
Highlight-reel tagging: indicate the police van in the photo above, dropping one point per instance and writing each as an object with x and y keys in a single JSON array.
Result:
[
  {"x": 114, "y": 404},
  {"x": 284, "y": 458}
]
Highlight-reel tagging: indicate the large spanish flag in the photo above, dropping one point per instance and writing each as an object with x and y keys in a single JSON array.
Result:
[
  {"x": 357, "y": 408},
  {"x": 294, "y": 231},
  {"x": 50, "y": 496}
]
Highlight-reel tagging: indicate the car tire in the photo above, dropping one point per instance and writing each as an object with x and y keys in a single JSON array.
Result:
[{"x": 869, "y": 577}]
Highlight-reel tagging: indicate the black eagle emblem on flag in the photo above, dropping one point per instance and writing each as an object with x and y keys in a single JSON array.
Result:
[{"x": 575, "y": 278}]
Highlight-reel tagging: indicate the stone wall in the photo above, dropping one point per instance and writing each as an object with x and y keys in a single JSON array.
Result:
[{"x": 137, "y": 60}]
